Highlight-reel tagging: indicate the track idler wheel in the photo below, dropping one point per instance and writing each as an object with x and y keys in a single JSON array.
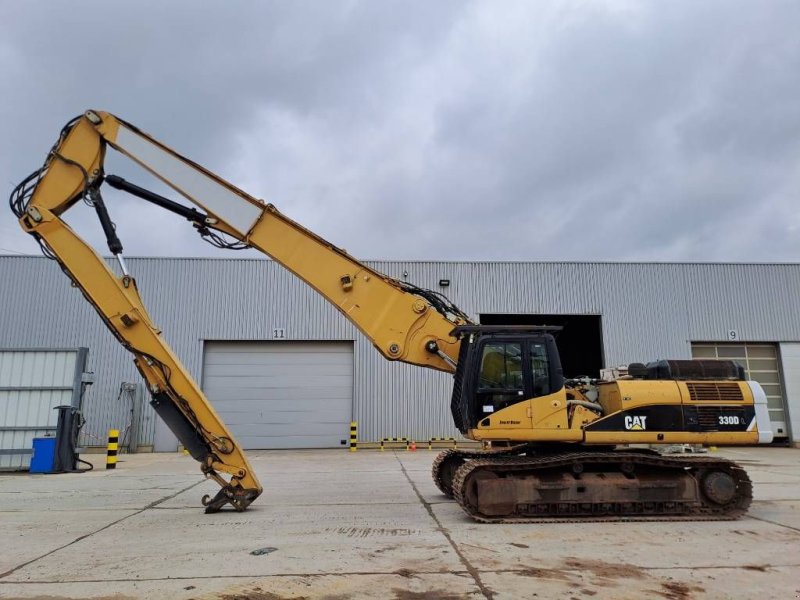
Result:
[
  {"x": 444, "y": 469},
  {"x": 719, "y": 487},
  {"x": 492, "y": 500}
]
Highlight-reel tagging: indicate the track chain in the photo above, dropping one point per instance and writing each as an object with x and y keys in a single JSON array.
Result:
[
  {"x": 465, "y": 455},
  {"x": 733, "y": 510}
]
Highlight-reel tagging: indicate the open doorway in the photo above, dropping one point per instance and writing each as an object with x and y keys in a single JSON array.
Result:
[{"x": 580, "y": 342}]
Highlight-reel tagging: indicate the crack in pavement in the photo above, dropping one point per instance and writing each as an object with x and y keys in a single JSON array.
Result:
[
  {"x": 307, "y": 505},
  {"x": 371, "y": 573},
  {"x": 217, "y": 576},
  {"x": 792, "y": 475},
  {"x": 763, "y": 520},
  {"x": 474, "y": 573},
  {"x": 83, "y": 537}
]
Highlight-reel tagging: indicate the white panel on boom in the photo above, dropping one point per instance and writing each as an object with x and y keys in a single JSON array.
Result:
[{"x": 195, "y": 185}]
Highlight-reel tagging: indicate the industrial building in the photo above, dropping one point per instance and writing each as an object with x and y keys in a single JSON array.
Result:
[{"x": 287, "y": 370}]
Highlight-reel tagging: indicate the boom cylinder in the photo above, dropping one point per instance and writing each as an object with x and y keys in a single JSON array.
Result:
[
  {"x": 114, "y": 243},
  {"x": 186, "y": 212}
]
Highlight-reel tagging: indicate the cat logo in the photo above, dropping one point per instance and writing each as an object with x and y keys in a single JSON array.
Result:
[{"x": 635, "y": 423}]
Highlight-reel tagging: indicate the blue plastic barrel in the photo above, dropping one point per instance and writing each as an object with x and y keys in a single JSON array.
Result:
[{"x": 44, "y": 455}]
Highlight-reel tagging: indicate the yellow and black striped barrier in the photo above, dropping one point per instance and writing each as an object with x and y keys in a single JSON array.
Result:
[
  {"x": 436, "y": 440},
  {"x": 353, "y": 436},
  {"x": 112, "y": 449},
  {"x": 396, "y": 440},
  {"x": 409, "y": 444}
]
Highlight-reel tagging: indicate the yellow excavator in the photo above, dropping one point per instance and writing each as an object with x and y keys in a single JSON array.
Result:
[{"x": 560, "y": 449}]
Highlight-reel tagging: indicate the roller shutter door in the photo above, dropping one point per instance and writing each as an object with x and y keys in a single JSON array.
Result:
[
  {"x": 281, "y": 394},
  {"x": 760, "y": 362},
  {"x": 32, "y": 384}
]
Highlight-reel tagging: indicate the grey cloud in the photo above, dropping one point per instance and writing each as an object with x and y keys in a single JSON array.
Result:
[{"x": 445, "y": 130}]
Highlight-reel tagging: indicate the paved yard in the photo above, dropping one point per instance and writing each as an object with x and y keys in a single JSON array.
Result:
[{"x": 339, "y": 525}]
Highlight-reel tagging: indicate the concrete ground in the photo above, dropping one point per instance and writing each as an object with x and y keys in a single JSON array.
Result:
[{"x": 339, "y": 525}]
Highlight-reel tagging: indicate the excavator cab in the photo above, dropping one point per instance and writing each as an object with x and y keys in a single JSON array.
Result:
[{"x": 500, "y": 366}]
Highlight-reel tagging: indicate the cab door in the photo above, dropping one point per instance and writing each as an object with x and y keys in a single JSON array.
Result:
[
  {"x": 548, "y": 400},
  {"x": 504, "y": 384}
]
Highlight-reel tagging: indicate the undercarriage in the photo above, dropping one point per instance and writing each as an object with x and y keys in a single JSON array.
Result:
[{"x": 527, "y": 484}]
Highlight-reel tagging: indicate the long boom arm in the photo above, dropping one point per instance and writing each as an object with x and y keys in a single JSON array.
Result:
[{"x": 405, "y": 323}]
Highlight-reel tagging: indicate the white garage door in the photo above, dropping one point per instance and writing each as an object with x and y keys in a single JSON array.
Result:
[
  {"x": 282, "y": 394},
  {"x": 760, "y": 362},
  {"x": 32, "y": 383}
]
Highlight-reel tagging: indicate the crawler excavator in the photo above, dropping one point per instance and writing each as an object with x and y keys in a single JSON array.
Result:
[{"x": 560, "y": 449}]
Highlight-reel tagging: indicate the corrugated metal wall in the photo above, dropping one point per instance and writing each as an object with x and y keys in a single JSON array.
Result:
[
  {"x": 648, "y": 311},
  {"x": 32, "y": 384}
]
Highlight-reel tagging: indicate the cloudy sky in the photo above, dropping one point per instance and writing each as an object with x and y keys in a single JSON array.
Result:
[{"x": 535, "y": 130}]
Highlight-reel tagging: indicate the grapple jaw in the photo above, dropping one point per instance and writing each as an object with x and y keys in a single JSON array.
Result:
[{"x": 237, "y": 497}]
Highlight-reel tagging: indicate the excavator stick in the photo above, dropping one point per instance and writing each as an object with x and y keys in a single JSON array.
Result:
[{"x": 74, "y": 171}]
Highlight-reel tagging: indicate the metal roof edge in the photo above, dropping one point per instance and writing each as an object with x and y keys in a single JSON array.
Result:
[{"x": 450, "y": 262}]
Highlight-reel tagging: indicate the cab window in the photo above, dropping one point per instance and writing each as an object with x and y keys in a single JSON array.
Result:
[
  {"x": 501, "y": 367},
  {"x": 500, "y": 381},
  {"x": 540, "y": 369}
]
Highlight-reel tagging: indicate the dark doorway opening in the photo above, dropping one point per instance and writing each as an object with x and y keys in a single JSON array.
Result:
[{"x": 580, "y": 342}]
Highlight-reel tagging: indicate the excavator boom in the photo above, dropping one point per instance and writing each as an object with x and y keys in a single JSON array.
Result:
[{"x": 404, "y": 322}]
